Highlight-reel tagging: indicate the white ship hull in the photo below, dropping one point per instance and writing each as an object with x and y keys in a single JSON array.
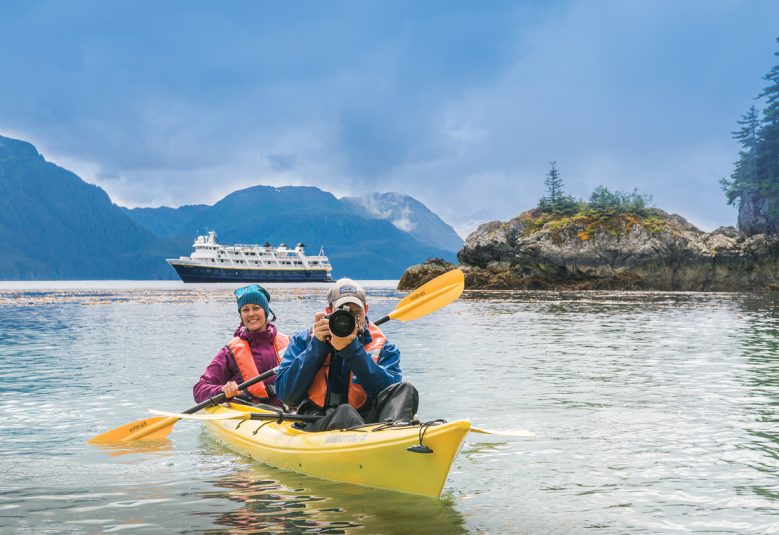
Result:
[{"x": 196, "y": 273}]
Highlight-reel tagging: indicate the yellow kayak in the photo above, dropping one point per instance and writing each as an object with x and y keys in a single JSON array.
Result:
[{"x": 375, "y": 456}]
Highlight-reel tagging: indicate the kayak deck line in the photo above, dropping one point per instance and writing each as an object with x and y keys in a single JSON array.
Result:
[
  {"x": 344, "y": 437},
  {"x": 376, "y": 455}
]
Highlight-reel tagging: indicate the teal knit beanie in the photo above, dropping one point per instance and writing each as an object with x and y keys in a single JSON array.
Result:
[{"x": 255, "y": 295}]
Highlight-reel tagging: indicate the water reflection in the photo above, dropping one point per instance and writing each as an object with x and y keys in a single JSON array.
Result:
[
  {"x": 271, "y": 500},
  {"x": 121, "y": 449},
  {"x": 758, "y": 336}
]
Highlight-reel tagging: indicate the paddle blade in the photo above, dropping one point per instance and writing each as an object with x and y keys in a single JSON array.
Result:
[
  {"x": 431, "y": 296},
  {"x": 516, "y": 433},
  {"x": 146, "y": 429},
  {"x": 236, "y": 415}
]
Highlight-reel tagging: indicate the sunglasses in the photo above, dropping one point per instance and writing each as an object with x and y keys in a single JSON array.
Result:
[{"x": 252, "y": 288}]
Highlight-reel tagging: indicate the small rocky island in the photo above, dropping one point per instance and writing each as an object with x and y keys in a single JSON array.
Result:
[
  {"x": 650, "y": 250},
  {"x": 615, "y": 241}
]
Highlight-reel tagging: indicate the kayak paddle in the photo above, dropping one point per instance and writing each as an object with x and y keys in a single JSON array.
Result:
[
  {"x": 280, "y": 416},
  {"x": 519, "y": 433},
  {"x": 159, "y": 428},
  {"x": 428, "y": 298},
  {"x": 240, "y": 415}
]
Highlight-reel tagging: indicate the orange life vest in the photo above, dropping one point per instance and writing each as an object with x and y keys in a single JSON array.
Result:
[
  {"x": 242, "y": 355},
  {"x": 357, "y": 397}
]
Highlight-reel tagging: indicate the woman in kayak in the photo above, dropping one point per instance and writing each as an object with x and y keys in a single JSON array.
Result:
[
  {"x": 257, "y": 347},
  {"x": 349, "y": 380}
]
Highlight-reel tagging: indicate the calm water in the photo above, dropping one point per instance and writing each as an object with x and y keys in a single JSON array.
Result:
[{"x": 654, "y": 413}]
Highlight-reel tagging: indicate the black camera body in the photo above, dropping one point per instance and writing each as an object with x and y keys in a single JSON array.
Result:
[{"x": 341, "y": 322}]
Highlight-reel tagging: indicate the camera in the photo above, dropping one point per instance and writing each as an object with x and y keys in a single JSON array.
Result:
[{"x": 341, "y": 322}]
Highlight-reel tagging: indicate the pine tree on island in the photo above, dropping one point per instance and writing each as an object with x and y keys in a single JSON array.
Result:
[
  {"x": 754, "y": 184},
  {"x": 556, "y": 201},
  {"x": 604, "y": 208}
]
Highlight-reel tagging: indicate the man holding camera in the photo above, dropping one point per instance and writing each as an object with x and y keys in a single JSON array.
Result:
[{"x": 344, "y": 369}]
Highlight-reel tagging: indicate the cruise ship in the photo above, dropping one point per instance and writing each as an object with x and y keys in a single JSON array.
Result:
[{"x": 214, "y": 262}]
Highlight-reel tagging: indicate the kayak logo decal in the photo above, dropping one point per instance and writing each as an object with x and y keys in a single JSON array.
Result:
[
  {"x": 138, "y": 427},
  {"x": 348, "y": 439}
]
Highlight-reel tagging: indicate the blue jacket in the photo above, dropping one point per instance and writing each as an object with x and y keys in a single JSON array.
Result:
[{"x": 305, "y": 355}]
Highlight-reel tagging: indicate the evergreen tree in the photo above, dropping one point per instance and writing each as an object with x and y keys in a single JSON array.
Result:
[
  {"x": 554, "y": 185},
  {"x": 556, "y": 201},
  {"x": 604, "y": 202},
  {"x": 768, "y": 155},
  {"x": 745, "y": 175},
  {"x": 756, "y": 172}
]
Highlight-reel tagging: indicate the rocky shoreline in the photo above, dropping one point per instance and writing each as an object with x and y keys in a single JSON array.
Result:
[{"x": 655, "y": 251}]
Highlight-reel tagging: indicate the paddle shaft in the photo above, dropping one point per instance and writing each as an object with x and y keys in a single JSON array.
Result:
[
  {"x": 281, "y": 416},
  {"x": 219, "y": 398}
]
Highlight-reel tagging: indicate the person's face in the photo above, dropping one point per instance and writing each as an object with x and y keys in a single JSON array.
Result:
[
  {"x": 253, "y": 317},
  {"x": 359, "y": 315}
]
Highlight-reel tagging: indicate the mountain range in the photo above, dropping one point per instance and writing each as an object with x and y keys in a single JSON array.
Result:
[{"x": 53, "y": 225}]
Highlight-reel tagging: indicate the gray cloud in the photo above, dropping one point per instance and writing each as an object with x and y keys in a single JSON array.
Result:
[{"x": 461, "y": 106}]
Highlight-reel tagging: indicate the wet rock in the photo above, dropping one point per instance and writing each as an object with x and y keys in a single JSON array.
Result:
[
  {"x": 655, "y": 251},
  {"x": 417, "y": 275},
  {"x": 757, "y": 215}
]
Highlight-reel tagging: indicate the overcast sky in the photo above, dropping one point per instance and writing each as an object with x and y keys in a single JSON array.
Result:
[{"x": 460, "y": 104}]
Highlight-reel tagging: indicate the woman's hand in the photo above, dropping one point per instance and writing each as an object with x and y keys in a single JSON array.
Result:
[{"x": 230, "y": 389}]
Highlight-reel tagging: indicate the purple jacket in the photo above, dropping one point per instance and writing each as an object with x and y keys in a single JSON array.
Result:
[{"x": 223, "y": 368}]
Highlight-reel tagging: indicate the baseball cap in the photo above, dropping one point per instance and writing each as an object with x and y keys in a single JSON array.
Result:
[{"x": 346, "y": 291}]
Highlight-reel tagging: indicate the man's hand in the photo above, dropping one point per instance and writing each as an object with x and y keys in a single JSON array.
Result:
[
  {"x": 321, "y": 329},
  {"x": 339, "y": 343}
]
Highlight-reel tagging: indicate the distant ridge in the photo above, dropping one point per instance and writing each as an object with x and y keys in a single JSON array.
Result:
[
  {"x": 409, "y": 215},
  {"x": 53, "y": 225},
  {"x": 357, "y": 246}
]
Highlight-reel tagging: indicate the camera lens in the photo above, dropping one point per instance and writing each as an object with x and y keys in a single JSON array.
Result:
[{"x": 342, "y": 323}]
